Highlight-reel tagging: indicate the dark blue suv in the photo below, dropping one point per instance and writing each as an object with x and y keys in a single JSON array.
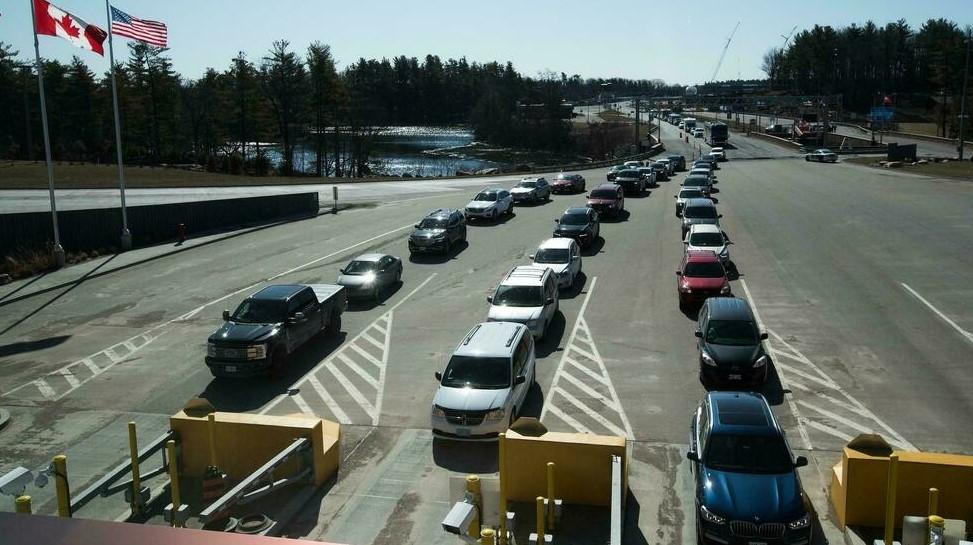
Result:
[{"x": 747, "y": 488}]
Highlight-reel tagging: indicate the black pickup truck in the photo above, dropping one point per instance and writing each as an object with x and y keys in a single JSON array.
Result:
[{"x": 271, "y": 324}]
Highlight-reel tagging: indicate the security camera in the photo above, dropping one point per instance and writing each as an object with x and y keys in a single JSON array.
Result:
[
  {"x": 460, "y": 518},
  {"x": 15, "y": 482}
]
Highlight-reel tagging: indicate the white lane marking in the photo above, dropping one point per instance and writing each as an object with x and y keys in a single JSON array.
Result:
[
  {"x": 69, "y": 376},
  {"x": 581, "y": 332},
  {"x": 301, "y": 404},
  {"x": 344, "y": 355},
  {"x": 836, "y": 417},
  {"x": 154, "y": 332},
  {"x": 829, "y": 430},
  {"x": 966, "y": 334},
  {"x": 44, "y": 388},
  {"x": 375, "y": 343}
]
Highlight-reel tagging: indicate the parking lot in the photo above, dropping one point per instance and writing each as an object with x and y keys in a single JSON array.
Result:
[{"x": 861, "y": 279}]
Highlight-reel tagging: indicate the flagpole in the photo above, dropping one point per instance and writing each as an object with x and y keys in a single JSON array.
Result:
[
  {"x": 126, "y": 234},
  {"x": 58, "y": 249}
]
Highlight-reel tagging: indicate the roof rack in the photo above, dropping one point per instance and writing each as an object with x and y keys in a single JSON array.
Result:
[
  {"x": 473, "y": 331},
  {"x": 513, "y": 335}
]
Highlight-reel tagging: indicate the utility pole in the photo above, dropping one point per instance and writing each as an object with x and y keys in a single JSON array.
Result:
[
  {"x": 962, "y": 104},
  {"x": 638, "y": 141},
  {"x": 25, "y": 69}
]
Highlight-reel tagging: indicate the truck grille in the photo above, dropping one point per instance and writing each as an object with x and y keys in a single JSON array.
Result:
[
  {"x": 770, "y": 530},
  {"x": 464, "y": 418}
]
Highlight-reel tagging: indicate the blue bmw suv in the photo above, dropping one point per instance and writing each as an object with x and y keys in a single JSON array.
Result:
[{"x": 747, "y": 488}]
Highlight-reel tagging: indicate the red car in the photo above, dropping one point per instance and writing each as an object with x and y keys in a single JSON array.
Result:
[
  {"x": 701, "y": 275},
  {"x": 568, "y": 183},
  {"x": 607, "y": 199}
]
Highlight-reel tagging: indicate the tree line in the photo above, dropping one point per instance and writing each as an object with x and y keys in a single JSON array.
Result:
[
  {"x": 920, "y": 70},
  {"x": 224, "y": 118}
]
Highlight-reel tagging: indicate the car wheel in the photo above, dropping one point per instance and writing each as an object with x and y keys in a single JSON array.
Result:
[
  {"x": 334, "y": 324},
  {"x": 806, "y": 158},
  {"x": 493, "y": 215}
]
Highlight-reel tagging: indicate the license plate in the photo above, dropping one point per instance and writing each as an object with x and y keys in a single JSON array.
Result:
[
  {"x": 757, "y": 543},
  {"x": 230, "y": 368},
  {"x": 463, "y": 432},
  {"x": 740, "y": 377}
]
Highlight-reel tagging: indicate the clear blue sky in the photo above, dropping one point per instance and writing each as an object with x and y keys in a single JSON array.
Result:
[{"x": 679, "y": 42}]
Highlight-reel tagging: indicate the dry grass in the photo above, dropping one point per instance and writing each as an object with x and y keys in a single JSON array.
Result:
[
  {"x": 952, "y": 169},
  {"x": 31, "y": 262},
  {"x": 614, "y": 116}
]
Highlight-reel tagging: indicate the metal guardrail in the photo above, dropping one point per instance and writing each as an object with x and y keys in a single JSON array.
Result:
[
  {"x": 261, "y": 482},
  {"x": 616, "y": 507},
  {"x": 104, "y": 486}
]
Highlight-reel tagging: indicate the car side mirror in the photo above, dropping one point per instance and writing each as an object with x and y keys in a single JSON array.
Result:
[
  {"x": 692, "y": 456},
  {"x": 297, "y": 318},
  {"x": 729, "y": 242},
  {"x": 342, "y": 271},
  {"x": 416, "y": 226},
  {"x": 226, "y": 315},
  {"x": 489, "y": 298},
  {"x": 686, "y": 242},
  {"x": 719, "y": 215},
  {"x": 557, "y": 220},
  {"x": 675, "y": 196},
  {"x": 520, "y": 380},
  {"x": 801, "y": 461},
  {"x": 698, "y": 334},
  {"x": 439, "y": 376},
  {"x": 532, "y": 256},
  {"x": 678, "y": 273},
  {"x": 550, "y": 301},
  {"x": 763, "y": 336}
]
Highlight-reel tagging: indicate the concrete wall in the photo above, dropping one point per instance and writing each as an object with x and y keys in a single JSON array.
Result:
[
  {"x": 582, "y": 466},
  {"x": 100, "y": 229}
]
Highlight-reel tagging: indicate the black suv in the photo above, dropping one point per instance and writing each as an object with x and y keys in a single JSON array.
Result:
[
  {"x": 579, "y": 223},
  {"x": 678, "y": 162},
  {"x": 730, "y": 343},
  {"x": 631, "y": 181},
  {"x": 438, "y": 231}
]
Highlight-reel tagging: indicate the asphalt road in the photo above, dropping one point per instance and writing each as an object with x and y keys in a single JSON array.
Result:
[{"x": 860, "y": 276}]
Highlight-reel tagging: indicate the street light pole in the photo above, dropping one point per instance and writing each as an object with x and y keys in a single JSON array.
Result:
[{"x": 962, "y": 106}]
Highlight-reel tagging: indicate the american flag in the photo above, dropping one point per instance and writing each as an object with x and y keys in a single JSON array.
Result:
[{"x": 150, "y": 32}]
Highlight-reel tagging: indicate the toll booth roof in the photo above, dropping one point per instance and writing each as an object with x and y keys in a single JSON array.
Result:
[{"x": 18, "y": 529}]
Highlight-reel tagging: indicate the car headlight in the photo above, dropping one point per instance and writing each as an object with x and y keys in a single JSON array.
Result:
[
  {"x": 368, "y": 278},
  {"x": 708, "y": 360},
  {"x": 438, "y": 412},
  {"x": 256, "y": 351},
  {"x": 710, "y": 516},
  {"x": 800, "y": 523},
  {"x": 725, "y": 289},
  {"x": 761, "y": 361},
  {"x": 210, "y": 349},
  {"x": 495, "y": 414}
]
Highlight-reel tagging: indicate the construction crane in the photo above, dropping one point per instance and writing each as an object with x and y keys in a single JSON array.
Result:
[
  {"x": 787, "y": 38},
  {"x": 723, "y": 54}
]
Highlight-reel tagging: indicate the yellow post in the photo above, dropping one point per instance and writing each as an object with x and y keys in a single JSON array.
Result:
[
  {"x": 473, "y": 488},
  {"x": 173, "y": 480},
  {"x": 503, "y": 490},
  {"x": 933, "y": 501},
  {"x": 890, "y": 499},
  {"x": 550, "y": 495},
  {"x": 487, "y": 536},
  {"x": 133, "y": 448},
  {"x": 540, "y": 520},
  {"x": 211, "y": 429},
  {"x": 22, "y": 505},
  {"x": 61, "y": 483}
]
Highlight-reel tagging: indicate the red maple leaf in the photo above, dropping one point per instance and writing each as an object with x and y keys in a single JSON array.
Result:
[{"x": 66, "y": 24}]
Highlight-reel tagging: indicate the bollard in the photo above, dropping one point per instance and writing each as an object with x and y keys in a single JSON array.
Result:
[
  {"x": 133, "y": 448},
  {"x": 181, "y": 232},
  {"x": 933, "y": 501},
  {"x": 174, "y": 489},
  {"x": 890, "y": 499},
  {"x": 937, "y": 528},
  {"x": 473, "y": 494},
  {"x": 540, "y": 520},
  {"x": 550, "y": 495},
  {"x": 503, "y": 490},
  {"x": 61, "y": 483},
  {"x": 487, "y": 536},
  {"x": 22, "y": 505},
  {"x": 334, "y": 192}
]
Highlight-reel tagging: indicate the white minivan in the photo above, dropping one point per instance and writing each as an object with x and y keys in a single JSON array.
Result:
[
  {"x": 485, "y": 383},
  {"x": 562, "y": 256}
]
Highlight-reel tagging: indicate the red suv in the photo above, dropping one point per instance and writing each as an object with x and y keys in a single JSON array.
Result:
[
  {"x": 607, "y": 199},
  {"x": 701, "y": 275}
]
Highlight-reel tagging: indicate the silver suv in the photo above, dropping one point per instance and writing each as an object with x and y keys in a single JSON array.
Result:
[
  {"x": 699, "y": 212},
  {"x": 485, "y": 383},
  {"x": 527, "y": 295}
]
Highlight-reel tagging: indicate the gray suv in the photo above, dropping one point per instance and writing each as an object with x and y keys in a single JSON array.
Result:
[
  {"x": 699, "y": 212},
  {"x": 438, "y": 231}
]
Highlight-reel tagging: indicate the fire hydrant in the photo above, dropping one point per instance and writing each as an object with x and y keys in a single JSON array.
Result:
[{"x": 181, "y": 232}]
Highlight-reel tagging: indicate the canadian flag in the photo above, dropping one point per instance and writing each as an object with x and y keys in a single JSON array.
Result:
[{"x": 50, "y": 20}]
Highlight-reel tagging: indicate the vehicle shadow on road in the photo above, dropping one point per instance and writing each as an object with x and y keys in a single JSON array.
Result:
[
  {"x": 631, "y": 531},
  {"x": 533, "y": 403},
  {"x": 773, "y": 390},
  {"x": 577, "y": 288},
  {"x": 247, "y": 394},
  {"x": 363, "y": 304},
  {"x": 465, "y": 456},
  {"x": 552, "y": 337},
  {"x": 732, "y": 272},
  {"x": 13, "y": 349},
  {"x": 490, "y": 223},
  {"x": 594, "y": 248},
  {"x": 621, "y": 217},
  {"x": 439, "y": 259},
  {"x": 691, "y": 310}
]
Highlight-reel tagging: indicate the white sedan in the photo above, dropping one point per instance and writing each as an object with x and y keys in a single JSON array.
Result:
[{"x": 822, "y": 155}]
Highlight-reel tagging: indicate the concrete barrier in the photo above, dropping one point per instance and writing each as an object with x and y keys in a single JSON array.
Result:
[
  {"x": 244, "y": 442},
  {"x": 859, "y": 483},
  {"x": 583, "y": 461},
  {"x": 777, "y": 140}
]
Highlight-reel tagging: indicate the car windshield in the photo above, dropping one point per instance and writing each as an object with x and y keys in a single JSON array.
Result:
[
  {"x": 566, "y": 177},
  {"x": 748, "y": 454},
  {"x": 477, "y": 373},
  {"x": 433, "y": 223},
  {"x": 823, "y": 151},
  {"x": 486, "y": 196},
  {"x": 361, "y": 267},
  {"x": 551, "y": 255},
  {"x": 528, "y": 183},
  {"x": 731, "y": 333},
  {"x": 700, "y": 212},
  {"x": 603, "y": 194},
  {"x": 690, "y": 194},
  {"x": 260, "y": 311},
  {"x": 695, "y": 181},
  {"x": 706, "y": 239},
  {"x": 706, "y": 269},
  {"x": 628, "y": 174},
  {"x": 519, "y": 296},
  {"x": 574, "y": 219}
]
